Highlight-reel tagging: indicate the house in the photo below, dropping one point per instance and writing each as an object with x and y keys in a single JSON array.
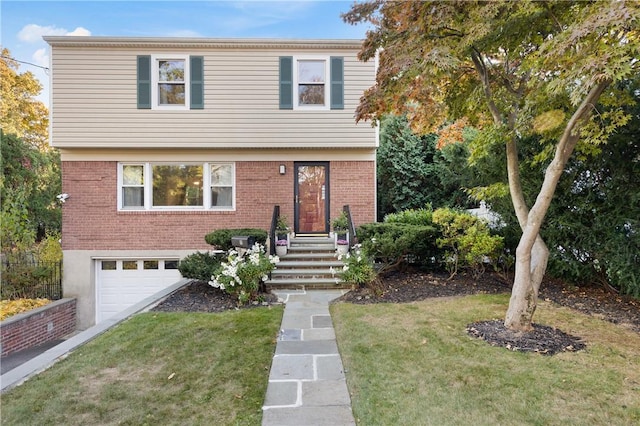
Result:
[{"x": 163, "y": 140}]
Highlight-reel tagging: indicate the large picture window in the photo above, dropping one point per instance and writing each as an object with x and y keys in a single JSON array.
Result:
[
  {"x": 196, "y": 186},
  {"x": 177, "y": 185}
]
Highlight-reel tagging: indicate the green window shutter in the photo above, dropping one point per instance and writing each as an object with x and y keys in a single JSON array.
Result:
[
  {"x": 286, "y": 82},
  {"x": 196, "y": 68},
  {"x": 144, "y": 82},
  {"x": 337, "y": 82}
]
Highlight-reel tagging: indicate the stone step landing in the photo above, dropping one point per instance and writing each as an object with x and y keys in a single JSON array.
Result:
[{"x": 310, "y": 263}]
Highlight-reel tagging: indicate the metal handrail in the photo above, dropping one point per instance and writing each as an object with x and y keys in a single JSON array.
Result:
[
  {"x": 351, "y": 225},
  {"x": 272, "y": 230}
]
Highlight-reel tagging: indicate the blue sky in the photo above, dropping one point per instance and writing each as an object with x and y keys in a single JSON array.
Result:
[{"x": 25, "y": 22}]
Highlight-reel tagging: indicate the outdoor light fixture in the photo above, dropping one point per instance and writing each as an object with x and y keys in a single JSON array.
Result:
[{"x": 283, "y": 169}]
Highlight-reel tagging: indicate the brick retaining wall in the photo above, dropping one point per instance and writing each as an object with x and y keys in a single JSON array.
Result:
[{"x": 38, "y": 326}]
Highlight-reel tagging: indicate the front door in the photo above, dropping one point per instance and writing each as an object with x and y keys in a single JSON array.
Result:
[{"x": 312, "y": 198}]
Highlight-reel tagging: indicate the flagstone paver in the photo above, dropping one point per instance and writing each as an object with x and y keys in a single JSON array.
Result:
[{"x": 307, "y": 385}]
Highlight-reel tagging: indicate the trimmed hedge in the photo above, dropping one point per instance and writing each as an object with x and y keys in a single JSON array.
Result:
[
  {"x": 199, "y": 266},
  {"x": 411, "y": 216},
  {"x": 221, "y": 239},
  {"x": 395, "y": 244}
]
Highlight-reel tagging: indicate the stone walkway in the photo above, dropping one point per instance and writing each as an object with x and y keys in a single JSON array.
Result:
[{"x": 307, "y": 384}]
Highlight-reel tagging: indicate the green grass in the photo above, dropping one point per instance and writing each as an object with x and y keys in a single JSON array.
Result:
[
  {"x": 414, "y": 364},
  {"x": 158, "y": 368}
]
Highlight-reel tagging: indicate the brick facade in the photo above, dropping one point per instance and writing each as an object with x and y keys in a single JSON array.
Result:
[
  {"x": 91, "y": 220},
  {"x": 29, "y": 329}
]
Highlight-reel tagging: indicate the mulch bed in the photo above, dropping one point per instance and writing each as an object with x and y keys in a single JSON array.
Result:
[
  {"x": 542, "y": 339},
  {"x": 199, "y": 296},
  {"x": 414, "y": 286}
]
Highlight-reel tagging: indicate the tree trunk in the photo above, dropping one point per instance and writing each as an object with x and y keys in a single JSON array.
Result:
[
  {"x": 530, "y": 268},
  {"x": 532, "y": 253}
]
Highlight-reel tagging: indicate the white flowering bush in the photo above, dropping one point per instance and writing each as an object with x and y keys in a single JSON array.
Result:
[
  {"x": 241, "y": 274},
  {"x": 358, "y": 267}
]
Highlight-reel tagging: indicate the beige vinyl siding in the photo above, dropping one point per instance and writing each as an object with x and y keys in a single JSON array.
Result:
[{"x": 94, "y": 102}]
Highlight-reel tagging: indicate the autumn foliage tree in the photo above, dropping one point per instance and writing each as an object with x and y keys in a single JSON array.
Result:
[
  {"x": 514, "y": 69},
  {"x": 20, "y": 113},
  {"x": 30, "y": 176}
]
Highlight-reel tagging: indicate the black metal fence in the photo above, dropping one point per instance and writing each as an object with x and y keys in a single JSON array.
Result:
[{"x": 31, "y": 280}]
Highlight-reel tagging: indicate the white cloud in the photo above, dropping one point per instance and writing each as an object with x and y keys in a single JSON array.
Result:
[
  {"x": 79, "y": 32},
  {"x": 41, "y": 57},
  {"x": 33, "y": 33}
]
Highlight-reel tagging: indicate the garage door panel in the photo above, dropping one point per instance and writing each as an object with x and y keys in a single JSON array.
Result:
[{"x": 119, "y": 288}]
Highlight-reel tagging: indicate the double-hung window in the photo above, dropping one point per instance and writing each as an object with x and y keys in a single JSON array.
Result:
[
  {"x": 171, "y": 78},
  {"x": 311, "y": 83},
  {"x": 170, "y": 82},
  {"x": 221, "y": 185},
  {"x": 176, "y": 186},
  {"x": 132, "y": 192}
]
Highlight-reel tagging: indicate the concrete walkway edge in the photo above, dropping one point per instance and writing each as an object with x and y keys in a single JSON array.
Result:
[{"x": 45, "y": 360}]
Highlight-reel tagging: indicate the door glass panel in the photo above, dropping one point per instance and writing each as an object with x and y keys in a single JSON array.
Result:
[
  {"x": 312, "y": 199},
  {"x": 150, "y": 264},
  {"x": 170, "y": 264},
  {"x": 108, "y": 265},
  {"x": 129, "y": 265}
]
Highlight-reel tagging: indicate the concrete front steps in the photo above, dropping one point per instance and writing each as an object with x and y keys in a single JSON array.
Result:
[{"x": 310, "y": 263}]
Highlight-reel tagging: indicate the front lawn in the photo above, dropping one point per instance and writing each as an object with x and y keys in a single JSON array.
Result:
[
  {"x": 158, "y": 368},
  {"x": 415, "y": 364}
]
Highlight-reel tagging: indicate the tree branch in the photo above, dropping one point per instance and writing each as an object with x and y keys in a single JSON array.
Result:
[
  {"x": 482, "y": 71},
  {"x": 564, "y": 149}
]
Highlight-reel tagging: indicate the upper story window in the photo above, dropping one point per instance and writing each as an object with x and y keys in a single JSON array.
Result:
[
  {"x": 311, "y": 79},
  {"x": 170, "y": 74},
  {"x": 170, "y": 82},
  {"x": 176, "y": 186},
  {"x": 311, "y": 83}
]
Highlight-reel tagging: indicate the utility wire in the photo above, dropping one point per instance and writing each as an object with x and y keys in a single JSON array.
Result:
[{"x": 25, "y": 62}]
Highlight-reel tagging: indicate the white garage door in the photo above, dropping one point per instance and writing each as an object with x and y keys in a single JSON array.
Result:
[{"x": 123, "y": 283}]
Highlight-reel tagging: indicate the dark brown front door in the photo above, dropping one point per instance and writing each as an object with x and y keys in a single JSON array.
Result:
[{"x": 312, "y": 198}]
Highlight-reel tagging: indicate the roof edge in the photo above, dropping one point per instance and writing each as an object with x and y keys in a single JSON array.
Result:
[{"x": 221, "y": 43}]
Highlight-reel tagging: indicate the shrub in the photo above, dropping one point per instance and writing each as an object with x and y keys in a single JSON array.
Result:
[
  {"x": 467, "y": 241},
  {"x": 49, "y": 249},
  {"x": 411, "y": 216},
  {"x": 340, "y": 223},
  {"x": 199, "y": 266},
  {"x": 221, "y": 238},
  {"x": 282, "y": 225},
  {"x": 396, "y": 244},
  {"x": 24, "y": 280},
  {"x": 241, "y": 275},
  {"x": 358, "y": 267}
]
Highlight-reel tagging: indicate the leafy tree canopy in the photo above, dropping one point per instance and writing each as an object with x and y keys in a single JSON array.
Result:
[
  {"x": 412, "y": 172},
  {"x": 30, "y": 176},
  {"x": 20, "y": 113},
  {"x": 514, "y": 69}
]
